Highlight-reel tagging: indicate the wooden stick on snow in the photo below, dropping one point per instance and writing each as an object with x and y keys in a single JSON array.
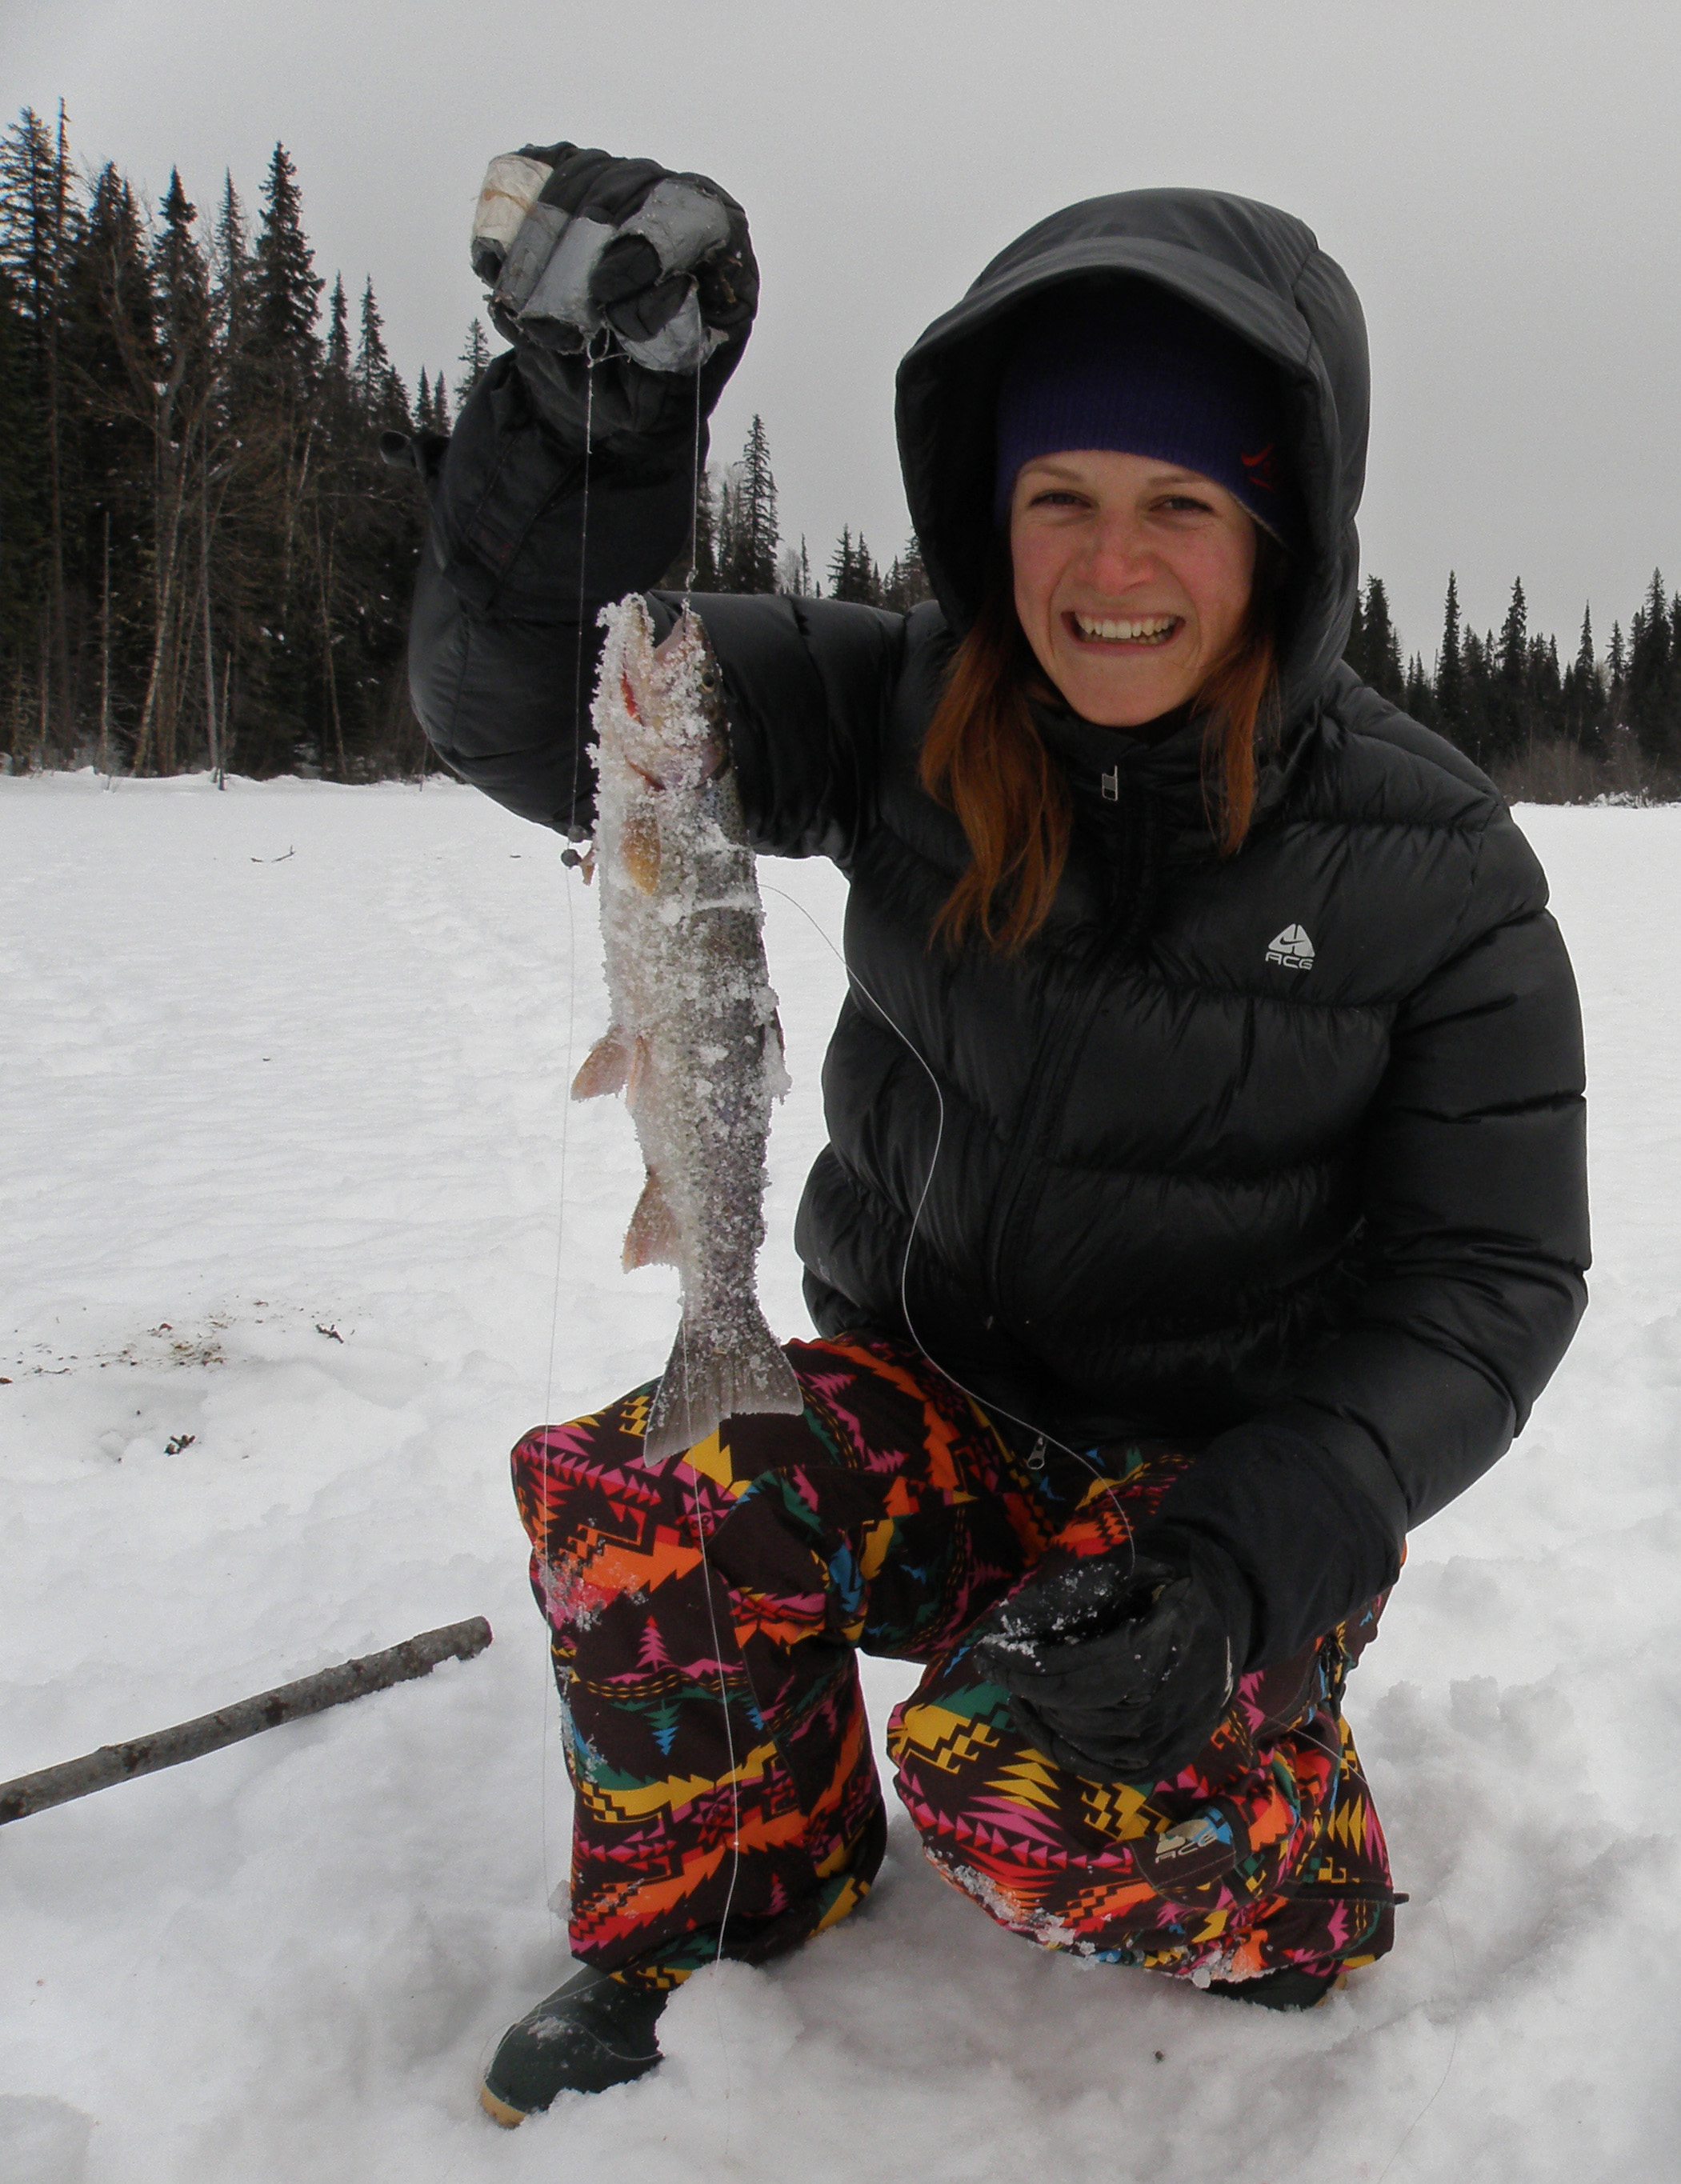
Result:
[{"x": 190, "y": 1740}]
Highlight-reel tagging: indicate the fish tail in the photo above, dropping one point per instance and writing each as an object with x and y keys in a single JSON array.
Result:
[{"x": 704, "y": 1384}]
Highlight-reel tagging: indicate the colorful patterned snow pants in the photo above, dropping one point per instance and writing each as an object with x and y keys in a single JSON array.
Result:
[{"x": 715, "y": 1727}]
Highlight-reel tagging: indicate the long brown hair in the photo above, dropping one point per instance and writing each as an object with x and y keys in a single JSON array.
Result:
[{"x": 985, "y": 760}]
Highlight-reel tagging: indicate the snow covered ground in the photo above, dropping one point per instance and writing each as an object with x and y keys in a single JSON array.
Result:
[{"x": 281, "y": 1151}]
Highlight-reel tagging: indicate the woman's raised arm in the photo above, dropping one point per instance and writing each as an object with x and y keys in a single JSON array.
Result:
[{"x": 628, "y": 293}]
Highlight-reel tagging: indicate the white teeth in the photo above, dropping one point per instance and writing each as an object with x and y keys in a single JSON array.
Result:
[{"x": 1149, "y": 627}]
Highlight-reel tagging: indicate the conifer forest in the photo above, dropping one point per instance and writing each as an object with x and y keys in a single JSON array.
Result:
[{"x": 205, "y": 562}]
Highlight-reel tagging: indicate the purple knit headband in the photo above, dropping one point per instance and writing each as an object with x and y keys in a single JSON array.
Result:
[{"x": 1144, "y": 374}]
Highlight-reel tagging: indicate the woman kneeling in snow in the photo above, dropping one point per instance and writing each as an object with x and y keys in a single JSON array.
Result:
[{"x": 1257, "y": 1220}]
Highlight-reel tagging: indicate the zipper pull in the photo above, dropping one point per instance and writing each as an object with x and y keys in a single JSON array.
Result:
[{"x": 1036, "y": 1455}]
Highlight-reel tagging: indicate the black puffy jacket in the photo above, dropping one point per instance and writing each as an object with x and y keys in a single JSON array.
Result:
[{"x": 1284, "y": 1149}]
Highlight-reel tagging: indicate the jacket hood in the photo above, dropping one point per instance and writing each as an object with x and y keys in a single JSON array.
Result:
[{"x": 1253, "y": 268}]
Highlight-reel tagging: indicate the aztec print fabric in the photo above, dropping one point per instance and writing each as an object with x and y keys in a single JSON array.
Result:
[{"x": 705, "y": 1612}]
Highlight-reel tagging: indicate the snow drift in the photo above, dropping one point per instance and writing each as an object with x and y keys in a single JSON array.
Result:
[{"x": 289, "y": 1171}]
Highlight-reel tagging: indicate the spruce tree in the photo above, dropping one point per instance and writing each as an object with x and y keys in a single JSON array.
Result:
[
  {"x": 1586, "y": 660},
  {"x": 1515, "y": 638},
  {"x": 180, "y": 274},
  {"x": 33, "y": 190},
  {"x": 281, "y": 716},
  {"x": 1418, "y": 698},
  {"x": 1478, "y": 655},
  {"x": 234, "y": 302},
  {"x": 474, "y": 359},
  {"x": 339, "y": 336},
  {"x": 1510, "y": 724},
  {"x": 750, "y": 562},
  {"x": 1380, "y": 647},
  {"x": 380, "y": 391},
  {"x": 240, "y": 453},
  {"x": 1544, "y": 691},
  {"x": 190, "y": 444},
  {"x": 139, "y": 395},
  {"x": 39, "y": 233},
  {"x": 1450, "y": 697},
  {"x": 1584, "y": 694},
  {"x": 285, "y": 285},
  {"x": 1652, "y": 678},
  {"x": 906, "y": 584},
  {"x": 842, "y": 565},
  {"x": 182, "y": 706},
  {"x": 22, "y": 513},
  {"x": 852, "y": 575}
]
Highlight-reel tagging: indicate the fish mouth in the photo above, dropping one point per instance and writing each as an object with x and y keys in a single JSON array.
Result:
[{"x": 1145, "y": 632}]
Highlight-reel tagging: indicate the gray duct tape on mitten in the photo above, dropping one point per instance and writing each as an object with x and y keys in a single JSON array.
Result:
[
  {"x": 512, "y": 186},
  {"x": 532, "y": 247},
  {"x": 560, "y": 313},
  {"x": 683, "y": 344},
  {"x": 682, "y": 222}
]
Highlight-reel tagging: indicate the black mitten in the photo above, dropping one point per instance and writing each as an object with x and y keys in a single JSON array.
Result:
[
  {"x": 627, "y": 291},
  {"x": 1119, "y": 1665}
]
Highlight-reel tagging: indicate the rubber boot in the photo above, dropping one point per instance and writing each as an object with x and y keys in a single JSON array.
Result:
[
  {"x": 592, "y": 2033},
  {"x": 1286, "y": 1989}
]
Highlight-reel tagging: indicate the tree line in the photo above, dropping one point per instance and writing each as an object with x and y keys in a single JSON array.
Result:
[
  {"x": 737, "y": 545},
  {"x": 1600, "y": 724},
  {"x": 204, "y": 561}
]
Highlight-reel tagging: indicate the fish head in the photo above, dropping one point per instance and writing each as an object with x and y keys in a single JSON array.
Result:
[{"x": 672, "y": 693}]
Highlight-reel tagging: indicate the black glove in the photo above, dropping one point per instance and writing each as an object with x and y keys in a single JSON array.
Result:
[
  {"x": 626, "y": 291},
  {"x": 1119, "y": 1665}
]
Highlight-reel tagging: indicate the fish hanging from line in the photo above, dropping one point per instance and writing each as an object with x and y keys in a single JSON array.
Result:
[{"x": 693, "y": 1041}]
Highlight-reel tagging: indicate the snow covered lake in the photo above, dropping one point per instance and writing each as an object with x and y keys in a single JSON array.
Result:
[{"x": 283, "y": 1120}]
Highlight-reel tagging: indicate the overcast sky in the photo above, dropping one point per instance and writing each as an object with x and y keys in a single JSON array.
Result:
[{"x": 1500, "y": 180}]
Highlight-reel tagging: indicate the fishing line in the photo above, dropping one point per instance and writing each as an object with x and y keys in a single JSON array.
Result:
[
  {"x": 1453, "y": 2050},
  {"x": 576, "y": 755},
  {"x": 694, "y": 503},
  {"x": 988, "y": 1409},
  {"x": 571, "y": 1015}
]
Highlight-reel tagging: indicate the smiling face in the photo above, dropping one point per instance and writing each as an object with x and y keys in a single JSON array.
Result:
[{"x": 1132, "y": 578}]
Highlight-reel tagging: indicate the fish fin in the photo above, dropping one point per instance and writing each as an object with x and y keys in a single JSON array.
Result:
[
  {"x": 652, "y": 1240},
  {"x": 606, "y": 1066},
  {"x": 702, "y": 1386}
]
